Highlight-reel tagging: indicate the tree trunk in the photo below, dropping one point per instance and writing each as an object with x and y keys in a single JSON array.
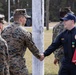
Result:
[{"x": 47, "y": 14}]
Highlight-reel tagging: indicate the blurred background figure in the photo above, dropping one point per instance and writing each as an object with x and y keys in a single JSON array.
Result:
[
  {"x": 3, "y": 18},
  {"x": 4, "y": 67}
]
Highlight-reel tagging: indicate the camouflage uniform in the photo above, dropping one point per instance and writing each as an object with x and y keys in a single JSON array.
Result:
[
  {"x": 18, "y": 39},
  {"x": 4, "y": 70},
  {"x": 59, "y": 52}
]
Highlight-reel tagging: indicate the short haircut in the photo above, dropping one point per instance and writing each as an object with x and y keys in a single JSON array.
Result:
[{"x": 18, "y": 14}]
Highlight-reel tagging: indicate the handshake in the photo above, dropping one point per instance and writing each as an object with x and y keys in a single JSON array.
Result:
[{"x": 41, "y": 57}]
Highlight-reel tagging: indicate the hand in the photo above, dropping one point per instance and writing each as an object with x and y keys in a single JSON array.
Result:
[
  {"x": 55, "y": 61},
  {"x": 42, "y": 57}
]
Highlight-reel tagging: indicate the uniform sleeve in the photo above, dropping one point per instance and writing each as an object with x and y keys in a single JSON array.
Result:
[
  {"x": 31, "y": 45},
  {"x": 54, "y": 34},
  {"x": 26, "y": 37},
  {"x": 55, "y": 44},
  {"x": 6, "y": 52},
  {"x": 5, "y": 57}
]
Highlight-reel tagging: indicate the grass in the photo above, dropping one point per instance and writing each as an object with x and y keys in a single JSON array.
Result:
[{"x": 49, "y": 67}]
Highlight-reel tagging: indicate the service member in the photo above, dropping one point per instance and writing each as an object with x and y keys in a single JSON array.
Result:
[
  {"x": 68, "y": 40},
  {"x": 4, "y": 67},
  {"x": 18, "y": 39},
  {"x": 59, "y": 54}
]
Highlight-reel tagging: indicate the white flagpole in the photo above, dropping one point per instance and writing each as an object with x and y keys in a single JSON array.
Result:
[
  {"x": 38, "y": 34},
  {"x": 9, "y": 12}
]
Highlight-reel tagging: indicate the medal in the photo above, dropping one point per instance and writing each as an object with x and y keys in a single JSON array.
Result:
[
  {"x": 73, "y": 46},
  {"x": 75, "y": 36},
  {"x": 73, "y": 43}
]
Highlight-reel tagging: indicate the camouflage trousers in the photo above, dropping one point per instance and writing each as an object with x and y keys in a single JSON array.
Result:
[
  {"x": 60, "y": 60},
  {"x": 18, "y": 67},
  {"x": 3, "y": 73},
  {"x": 4, "y": 69}
]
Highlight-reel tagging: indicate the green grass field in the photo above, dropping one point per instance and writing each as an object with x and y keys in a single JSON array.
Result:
[{"x": 49, "y": 67}]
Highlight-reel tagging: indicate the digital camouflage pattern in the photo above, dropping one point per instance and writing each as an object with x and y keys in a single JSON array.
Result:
[
  {"x": 56, "y": 31},
  {"x": 4, "y": 69},
  {"x": 18, "y": 39}
]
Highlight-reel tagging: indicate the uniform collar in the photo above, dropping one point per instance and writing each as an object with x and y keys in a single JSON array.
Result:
[
  {"x": 16, "y": 23},
  {"x": 71, "y": 30}
]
